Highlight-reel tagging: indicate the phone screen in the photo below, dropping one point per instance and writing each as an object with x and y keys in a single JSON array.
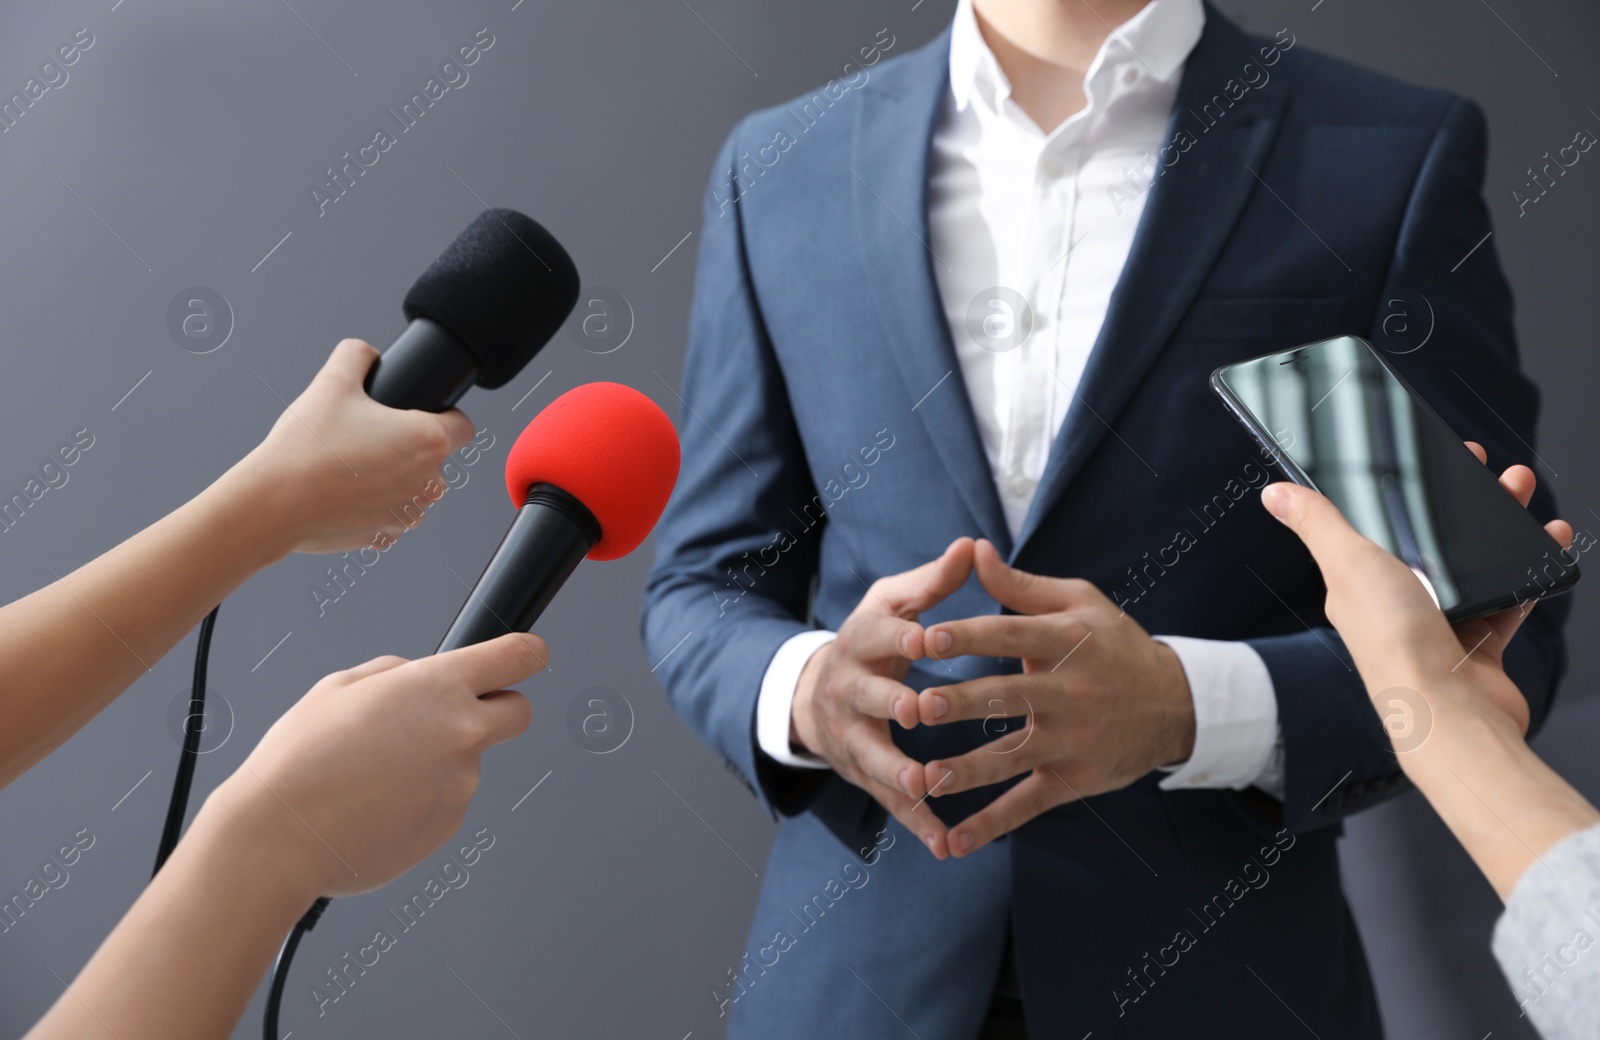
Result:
[{"x": 1341, "y": 421}]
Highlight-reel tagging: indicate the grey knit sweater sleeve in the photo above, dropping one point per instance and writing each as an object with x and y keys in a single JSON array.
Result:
[{"x": 1548, "y": 939}]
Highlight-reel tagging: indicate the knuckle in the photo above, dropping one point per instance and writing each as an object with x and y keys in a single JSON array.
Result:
[
  {"x": 422, "y": 442},
  {"x": 1091, "y": 777},
  {"x": 381, "y": 663},
  {"x": 848, "y": 764},
  {"x": 1074, "y": 630},
  {"x": 471, "y": 730},
  {"x": 411, "y": 673},
  {"x": 436, "y": 440}
]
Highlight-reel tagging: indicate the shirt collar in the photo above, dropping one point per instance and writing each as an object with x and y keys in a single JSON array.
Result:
[{"x": 1158, "y": 39}]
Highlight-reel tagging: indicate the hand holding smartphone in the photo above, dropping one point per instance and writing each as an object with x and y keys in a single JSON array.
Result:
[{"x": 1336, "y": 417}]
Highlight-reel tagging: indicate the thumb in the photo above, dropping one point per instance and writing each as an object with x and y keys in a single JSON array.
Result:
[
  {"x": 349, "y": 363},
  {"x": 1334, "y": 544},
  {"x": 1019, "y": 590}
]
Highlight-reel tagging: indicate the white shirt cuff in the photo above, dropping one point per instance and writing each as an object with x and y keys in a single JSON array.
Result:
[
  {"x": 776, "y": 700},
  {"x": 1236, "y": 740}
]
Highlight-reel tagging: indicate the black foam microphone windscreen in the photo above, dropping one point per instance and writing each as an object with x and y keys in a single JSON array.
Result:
[{"x": 503, "y": 288}]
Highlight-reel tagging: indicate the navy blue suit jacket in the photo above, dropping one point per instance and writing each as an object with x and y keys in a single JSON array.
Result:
[{"x": 1320, "y": 202}]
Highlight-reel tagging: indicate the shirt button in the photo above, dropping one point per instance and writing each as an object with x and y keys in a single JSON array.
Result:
[
  {"x": 1052, "y": 167},
  {"x": 1129, "y": 76},
  {"x": 1018, "y": 485}
]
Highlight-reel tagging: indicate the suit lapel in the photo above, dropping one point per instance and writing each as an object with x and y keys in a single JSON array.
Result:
[
  {"x": 887, "y": 176},
  {"x": 1191, "y": 210}
]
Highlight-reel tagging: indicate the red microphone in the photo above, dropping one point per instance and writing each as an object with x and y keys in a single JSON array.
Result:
[{"x": 590, "y": 475}]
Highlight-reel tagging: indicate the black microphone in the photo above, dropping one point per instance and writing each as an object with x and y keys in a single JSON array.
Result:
[
  {"x": 479, "y": 313},
  {"x": 590, "y": 475}
]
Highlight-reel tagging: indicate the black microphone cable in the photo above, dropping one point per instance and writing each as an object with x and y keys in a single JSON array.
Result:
[
  {"x": 178, "y": 808},
  {"x": 280, "y": 968},
  {"x": 194, "y": 724}
]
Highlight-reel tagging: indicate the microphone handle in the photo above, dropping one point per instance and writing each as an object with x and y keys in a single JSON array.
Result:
[
  {"x": 426, "y": 367},
  {"x": 551, "y": 535}
]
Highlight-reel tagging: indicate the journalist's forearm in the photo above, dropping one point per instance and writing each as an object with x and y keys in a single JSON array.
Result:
[
  {"x": 1500, "y": 800},
  {"x": 185, "y": 961},
  {"x": 70, "y": 648}
]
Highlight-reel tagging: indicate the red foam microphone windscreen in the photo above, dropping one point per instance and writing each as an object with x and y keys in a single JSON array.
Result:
[{"x": 611, "y": 448}]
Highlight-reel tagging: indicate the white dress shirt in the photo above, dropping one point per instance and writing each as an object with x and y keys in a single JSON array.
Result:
[{"x": 1030, "y": 232}]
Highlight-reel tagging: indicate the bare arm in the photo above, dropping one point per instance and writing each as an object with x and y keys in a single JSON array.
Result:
[
  {"x": 370, "y": 772},
  {"x": 337, "y": 471},
  {"x": 187, "y": 957},
  {"x": 1500, "y": 800}
]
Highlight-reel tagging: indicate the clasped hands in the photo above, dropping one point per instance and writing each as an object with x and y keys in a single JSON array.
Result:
[{"x": 1101, "y": 702}]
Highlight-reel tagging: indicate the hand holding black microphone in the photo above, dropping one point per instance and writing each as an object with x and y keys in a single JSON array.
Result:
[{"x": 338, "y": 469}]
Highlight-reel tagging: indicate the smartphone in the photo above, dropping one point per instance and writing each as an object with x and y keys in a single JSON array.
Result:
[{"x": 1336, "y": 417}]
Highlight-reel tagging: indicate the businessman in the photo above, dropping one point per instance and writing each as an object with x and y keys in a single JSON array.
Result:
[{"x": 953, "y": 323}]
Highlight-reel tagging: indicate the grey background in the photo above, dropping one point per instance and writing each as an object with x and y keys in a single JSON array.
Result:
[{"x": 617, "y": 892}]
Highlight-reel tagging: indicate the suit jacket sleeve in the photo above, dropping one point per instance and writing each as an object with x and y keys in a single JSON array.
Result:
[
  {"x": 1337, "y": 755},
  {"x": 731, "y": 582}
]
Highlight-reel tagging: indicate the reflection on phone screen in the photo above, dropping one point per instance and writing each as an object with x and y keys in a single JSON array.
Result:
[{"x": 1342, "y": 422}]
